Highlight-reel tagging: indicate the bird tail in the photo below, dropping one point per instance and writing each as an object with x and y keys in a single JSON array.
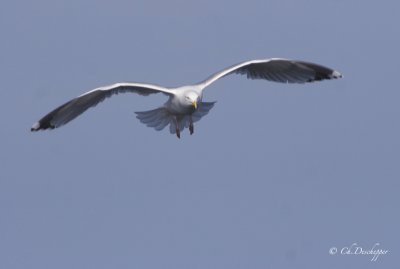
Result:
[
  {"x": 202, "y": 110},
  {"x": 160, "y": 118},
  {"x": 157, "y": 118}
]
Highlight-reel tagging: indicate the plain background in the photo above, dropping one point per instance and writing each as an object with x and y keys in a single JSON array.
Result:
[{"x": 273, "y": 177}]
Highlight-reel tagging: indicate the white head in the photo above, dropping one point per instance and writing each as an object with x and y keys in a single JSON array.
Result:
[{"x": 192, "y": 99}]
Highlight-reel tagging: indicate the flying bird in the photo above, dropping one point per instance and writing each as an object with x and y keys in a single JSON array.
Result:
[{"x": 185, "y": 104}]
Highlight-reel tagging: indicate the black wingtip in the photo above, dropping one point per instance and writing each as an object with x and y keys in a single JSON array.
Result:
[
  {"x": 41, "y": 126},
  {"x": 35, "y": 127},
  {"x": 336, "y": 74}
]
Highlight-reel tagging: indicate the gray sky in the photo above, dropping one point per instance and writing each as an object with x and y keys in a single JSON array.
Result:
[{"x": 273, "y": 177}]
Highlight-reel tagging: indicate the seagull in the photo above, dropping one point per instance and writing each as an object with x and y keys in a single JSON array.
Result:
[{"x": 185, "y": 104}]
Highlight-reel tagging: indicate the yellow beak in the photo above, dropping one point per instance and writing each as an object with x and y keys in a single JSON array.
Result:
[{"x": 194, "y": 104}]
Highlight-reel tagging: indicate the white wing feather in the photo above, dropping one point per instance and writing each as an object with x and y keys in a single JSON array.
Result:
[
  {"x": 73, "y": 108},
  {"x": 278, "y": 70}
]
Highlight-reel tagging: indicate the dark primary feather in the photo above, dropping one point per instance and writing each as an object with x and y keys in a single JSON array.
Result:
[
  {"x": 73, "y": 108},
  {"x": 277, "y": 70},
  {"x": 64, "y": 114},
  {"x": 287, "y": 71}
]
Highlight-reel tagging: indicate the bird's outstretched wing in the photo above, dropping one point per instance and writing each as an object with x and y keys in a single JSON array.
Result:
[
  {"x": 73, "y": 108},
  {"x": 278, "y": 70}
]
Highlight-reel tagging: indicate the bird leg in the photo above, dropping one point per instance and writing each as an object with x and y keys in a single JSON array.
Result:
[
  {"x": 191, "y": 127},
  {"x": 177, "y": 130}
]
